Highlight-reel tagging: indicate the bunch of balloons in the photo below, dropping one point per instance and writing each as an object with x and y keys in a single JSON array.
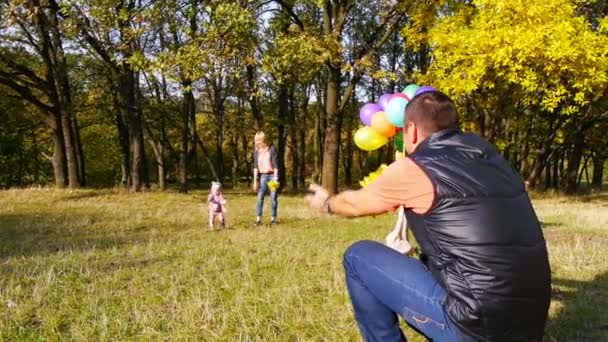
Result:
[
  {"x": 369, "y": 179},
  {"x": 385, "y": 118}
]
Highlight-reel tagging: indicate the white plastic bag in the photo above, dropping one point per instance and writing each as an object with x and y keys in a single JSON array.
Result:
[{"x": 398, "y": 238}]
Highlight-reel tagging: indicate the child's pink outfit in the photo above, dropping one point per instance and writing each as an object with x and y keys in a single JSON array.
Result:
[{"x": 217, "y": 205}]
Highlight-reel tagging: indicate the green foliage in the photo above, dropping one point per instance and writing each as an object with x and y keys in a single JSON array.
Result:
[
  {"x": 295, "y": 57},
  {"x": 520, "y": 72},
  {"x": 24, "y": 143},
  {"x": 225, "y": 33},
  {"x": 104, "y": 155}
]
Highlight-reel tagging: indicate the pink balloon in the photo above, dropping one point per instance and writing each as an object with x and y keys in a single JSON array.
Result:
[
  {"x": 367, "y": 111},
  {"x": 401, "y": 95}
]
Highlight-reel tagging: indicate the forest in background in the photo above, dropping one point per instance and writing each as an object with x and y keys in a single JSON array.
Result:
[{"x": 152, "y": 94}]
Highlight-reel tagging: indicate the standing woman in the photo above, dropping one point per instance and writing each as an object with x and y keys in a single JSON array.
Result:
[{"x": 264, "y": 166}]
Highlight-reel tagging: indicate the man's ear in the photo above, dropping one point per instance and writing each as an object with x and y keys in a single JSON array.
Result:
[{"x": 414, "y": 134}]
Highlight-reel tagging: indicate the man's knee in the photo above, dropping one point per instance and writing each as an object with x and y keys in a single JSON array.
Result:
[{"x": 359, "y": 249}]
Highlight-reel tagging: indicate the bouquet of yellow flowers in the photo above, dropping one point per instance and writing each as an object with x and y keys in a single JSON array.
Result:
[
  {"x": 369, "y": 179},
  {"x": 273, "y": 185}
]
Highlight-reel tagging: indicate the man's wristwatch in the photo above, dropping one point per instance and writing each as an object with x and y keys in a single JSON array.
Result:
[{"x": 326, "y": 207}]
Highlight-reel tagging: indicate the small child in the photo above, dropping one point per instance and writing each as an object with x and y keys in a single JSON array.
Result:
[{"x": 217, "y": 205}]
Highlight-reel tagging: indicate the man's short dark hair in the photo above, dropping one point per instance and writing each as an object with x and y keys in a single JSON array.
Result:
[{"x": 432, "y": 111}]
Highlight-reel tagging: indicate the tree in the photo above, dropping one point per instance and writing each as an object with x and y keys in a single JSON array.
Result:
[
  {"x": 510, "y": 61},
  {"x": 112, "y": 30},
  {"x": 46, "y": 85},
  {"x": 335, "y": 16},
  {"x": 206, "y": 52}
]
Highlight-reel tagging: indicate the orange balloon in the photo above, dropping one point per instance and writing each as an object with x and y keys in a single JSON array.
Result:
[{"x": 381, "y": 125}]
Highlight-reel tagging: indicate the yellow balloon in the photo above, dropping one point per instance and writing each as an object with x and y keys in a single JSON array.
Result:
[{"x": 367, "y": 139}]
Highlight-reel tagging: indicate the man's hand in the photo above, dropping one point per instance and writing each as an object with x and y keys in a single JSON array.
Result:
[
  {"x": 255, "y": 186},
  {"x": 317, "y": 197}
]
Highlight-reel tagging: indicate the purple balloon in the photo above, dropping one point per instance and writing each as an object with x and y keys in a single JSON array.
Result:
[
  {"x": 383, "y": 100},
  {"x": 367, "y": 111},
  {"x": 424, "y": 89}
]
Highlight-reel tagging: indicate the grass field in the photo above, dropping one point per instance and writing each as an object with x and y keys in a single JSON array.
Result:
[{"x": 107, "y": 265}]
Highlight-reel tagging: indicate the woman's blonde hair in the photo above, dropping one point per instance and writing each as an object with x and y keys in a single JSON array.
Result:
[{"x": 261, "y": 135}]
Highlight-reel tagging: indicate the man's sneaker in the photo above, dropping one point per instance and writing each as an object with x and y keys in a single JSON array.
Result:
[
  {"x": 274, "y": 221},
  {"x": 258, "y": 222}
]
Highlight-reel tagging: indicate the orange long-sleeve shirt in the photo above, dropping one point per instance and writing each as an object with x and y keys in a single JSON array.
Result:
[{"x": 402, "y": 183}]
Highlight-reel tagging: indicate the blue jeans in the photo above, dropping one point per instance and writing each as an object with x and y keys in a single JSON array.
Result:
[
  {"x": 383, "y": 283},
  {"x": 264, "y": 179}
]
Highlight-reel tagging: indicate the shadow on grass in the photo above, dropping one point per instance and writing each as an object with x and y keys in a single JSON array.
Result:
[
  {"x": 585, "y": 196},
  {"x": 84, "y": 195},
  {"x": 600, "y": 198},
  {"x": 45, "y": 234},
  {"x": 584, "y": 315},
  {"x": 551, "y": 224}
]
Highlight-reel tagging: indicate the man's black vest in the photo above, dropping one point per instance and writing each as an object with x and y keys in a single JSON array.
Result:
[{"x": 482, "y": 240}]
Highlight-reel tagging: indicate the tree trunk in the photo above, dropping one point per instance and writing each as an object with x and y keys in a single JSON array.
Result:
[
  {"x": 543, "y": 155},
  {"x": 293, "y": 138},
  {"x": 562, "y": 169},
  {"x": 598, "y": 172},
  {"x": 125, "y": 160},
  {"x": 248, "y": 158},
  {"x": 574, "y": 160},
  {"x": 548, "y": 175},
  {"x": 282, "y": 136},
  {"x": 331, "y": 154},
  {"x": 58, "y": 160},
  {"x": 159, "y": 153},
  {"x": 51, "y": 51},
  {"x": 187, "y": 104},
  {"x": 219, "y": 132},
  {"x": 194, "y": 169},
  {"x": 253, "y": 98},
  {"x": 71, "y": 131},
  {"x": 302, "y": 126},
  {"x": 583, "y": 171},
  {"x": 70, "y": 149},
  {"x": 537, "y": 169},
  {"x": 137, "y": 134},
  {"x": 302, "y": 157},
  {"x": 348, "y": 152},
  {"x": 138, "y": 174},
  {"x": 320, "y": 129},
  {"x": 79, "y": 152},
  {"x": 234, "y": 147},
  {"x": 294, "y": 153},
  {"x": 556, "y": 159},
  {"x": 162, "y": 182},
  {"x": 319, "y": 135}
]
